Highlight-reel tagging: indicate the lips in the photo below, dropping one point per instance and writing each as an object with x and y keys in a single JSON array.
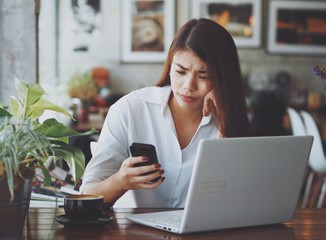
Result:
[{"x": 187, "y": 99}]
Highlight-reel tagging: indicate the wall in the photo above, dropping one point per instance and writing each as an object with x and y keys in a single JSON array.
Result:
[
  {"x": 298, "y": 66},
  {"x": 104, "y": 51},
  {"x": 17, "y": 52},
  {"x": 17, "y": 45}
]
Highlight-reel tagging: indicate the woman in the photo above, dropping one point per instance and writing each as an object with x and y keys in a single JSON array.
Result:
[{"x": 199, "y": 96}]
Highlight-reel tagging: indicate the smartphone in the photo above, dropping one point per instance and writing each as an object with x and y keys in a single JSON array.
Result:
[
  {"x": 143, "y": 149},
  {"x": 148, "y": 150}
]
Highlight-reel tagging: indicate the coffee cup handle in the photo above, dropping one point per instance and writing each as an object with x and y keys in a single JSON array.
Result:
[{"x": 108, "y": 208}]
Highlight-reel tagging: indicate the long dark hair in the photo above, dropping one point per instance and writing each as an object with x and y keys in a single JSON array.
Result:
[{"x": 215, "y": 46}]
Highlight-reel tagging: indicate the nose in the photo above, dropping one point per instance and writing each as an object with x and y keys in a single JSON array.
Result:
[{"x": 190, "y": 82}]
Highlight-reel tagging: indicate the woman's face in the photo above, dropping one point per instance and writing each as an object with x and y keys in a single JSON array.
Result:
[{"x": 190, "y": 80}]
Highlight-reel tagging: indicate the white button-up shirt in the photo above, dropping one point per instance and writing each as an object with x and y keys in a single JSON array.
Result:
[{"x": 144, "y": 116}]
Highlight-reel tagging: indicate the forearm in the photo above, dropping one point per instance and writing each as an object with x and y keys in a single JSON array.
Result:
[{"x": 109, "y": 188}]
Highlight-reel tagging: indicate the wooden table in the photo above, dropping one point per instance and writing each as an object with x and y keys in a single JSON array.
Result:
[
  {"x": 307, "y": 224},
  {"x": 96, "y": 121}
]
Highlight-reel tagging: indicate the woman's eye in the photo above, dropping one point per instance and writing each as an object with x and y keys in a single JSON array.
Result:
[
  {"x": 202, "y": 77},
  {"x": 180, "y": 72}
]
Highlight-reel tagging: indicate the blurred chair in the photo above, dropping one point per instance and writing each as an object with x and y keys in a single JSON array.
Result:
[
  {"x": 298, "y": 129},
  {"x": 317, "y": 160},
  {"x": 297, "y": 125}
]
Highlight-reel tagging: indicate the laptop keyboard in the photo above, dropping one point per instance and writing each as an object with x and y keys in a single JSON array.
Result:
[{"x": 167, "y": 220}]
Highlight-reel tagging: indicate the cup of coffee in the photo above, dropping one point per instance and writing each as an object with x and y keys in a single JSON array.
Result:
[{"x": 84, "y": 206}]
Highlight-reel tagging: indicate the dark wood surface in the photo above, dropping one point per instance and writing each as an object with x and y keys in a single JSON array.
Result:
[
  {"x": 95, "y": 120},
  {"x": 307, "y": 224}
]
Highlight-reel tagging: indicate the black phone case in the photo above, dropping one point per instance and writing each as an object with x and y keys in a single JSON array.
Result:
[
  {"x": 148, "y": 150},
  {"x": 143, "y": 149}
]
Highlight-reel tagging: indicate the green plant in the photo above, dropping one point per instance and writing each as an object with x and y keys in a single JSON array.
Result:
[
  {"x": 26, "y": 143},
  {"x": 82, "y": 86}
]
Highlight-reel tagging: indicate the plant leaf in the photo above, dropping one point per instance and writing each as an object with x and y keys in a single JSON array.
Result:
[
  {"x": 14, "y": 107},
  {"x": 46, "y": 174},
  {"x": 32, "y": 147},
  {"x": 73, "y": 156},
  {"x": 54, "y": 129},
  {"x": 4, "y": 112},
  {"x": 29, "y": 93},
  {"x": 37, "y": 109}
]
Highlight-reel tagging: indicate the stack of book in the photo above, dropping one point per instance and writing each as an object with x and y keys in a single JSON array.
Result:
[{"x": 51, "y": 197}]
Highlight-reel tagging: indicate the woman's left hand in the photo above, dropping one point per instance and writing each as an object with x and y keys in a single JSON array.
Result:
[
  {"x": 210, "y": 107},
  {"x": 210, "y": 104}
]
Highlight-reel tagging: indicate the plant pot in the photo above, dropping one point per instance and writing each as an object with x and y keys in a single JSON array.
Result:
[
  {"x": 84, "y": 112},
  {"x": 13, "y": 213}
]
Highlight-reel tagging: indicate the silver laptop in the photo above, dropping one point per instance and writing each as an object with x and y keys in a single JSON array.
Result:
[{"x": 239, "y": 182}]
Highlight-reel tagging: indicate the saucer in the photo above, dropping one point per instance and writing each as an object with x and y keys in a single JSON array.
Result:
[{"x": 63, "y": 219}]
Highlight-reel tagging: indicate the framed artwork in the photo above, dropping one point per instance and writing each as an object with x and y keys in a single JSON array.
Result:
[
  {"x": 297, "y": 27},
  {"x": 147, "y": 30},
  {"x": 242, "y": 18},
  {"x": 80, "y": 23}
]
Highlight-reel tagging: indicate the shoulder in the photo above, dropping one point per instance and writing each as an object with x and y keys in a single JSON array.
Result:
[{"x": 141, "y": 99}]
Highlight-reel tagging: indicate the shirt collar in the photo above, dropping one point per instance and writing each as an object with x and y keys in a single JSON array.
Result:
[
  {"x": 156, "y": 95},
  {"x": 163, "y": 99},
  {"x": 206, "y": 119}
]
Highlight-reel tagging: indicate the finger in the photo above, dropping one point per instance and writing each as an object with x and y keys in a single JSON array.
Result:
[
  {"x": 154, "y": 176},
  {"x": 212, "y": 97},
  {"x": 147, "y": 177},
  {"x": 130, "y": 162},
  {"x": 148, "y": 168},
  {"x": 151, "y": 185},
  {"x": 207, "y": 106},
  {"x": 143, "y": 173}
]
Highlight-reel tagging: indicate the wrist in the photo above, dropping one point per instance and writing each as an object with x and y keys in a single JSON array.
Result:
[{"x": 117, "y": 184}]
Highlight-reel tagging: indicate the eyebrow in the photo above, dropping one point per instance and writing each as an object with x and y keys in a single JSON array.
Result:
[{"x": 198, "y": 71}]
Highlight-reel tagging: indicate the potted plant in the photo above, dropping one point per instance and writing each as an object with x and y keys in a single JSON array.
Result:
[
  {"x": 26, "y": 144},
  {"x": 82, "y": 86}
]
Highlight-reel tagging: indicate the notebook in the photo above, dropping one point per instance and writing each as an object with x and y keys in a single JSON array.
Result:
[{"x": 238, "y": 182}]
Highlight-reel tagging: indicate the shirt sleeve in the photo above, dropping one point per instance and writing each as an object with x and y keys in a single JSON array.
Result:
[{"x": 110, "y": 150}]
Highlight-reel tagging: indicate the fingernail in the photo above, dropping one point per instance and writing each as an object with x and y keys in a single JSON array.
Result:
[
  {"x": 144, "y": 158},
  {"x": 157, "y": 165},
  {"x": 162, "y": 179},
  {"x": 162, "y": 171}
]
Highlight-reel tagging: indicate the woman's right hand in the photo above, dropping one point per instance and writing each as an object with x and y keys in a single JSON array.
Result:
[{"x": 131, "y": 177}]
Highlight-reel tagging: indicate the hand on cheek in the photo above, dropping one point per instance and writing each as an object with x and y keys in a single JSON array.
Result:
[
  {"x": 207, "y": 107},
  {"x": 209, "y": 103}
]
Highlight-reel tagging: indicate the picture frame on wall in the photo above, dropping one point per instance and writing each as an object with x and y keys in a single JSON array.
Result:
[
  {"x": 148, "y": 28},
  {"x": 297, "y": 27},
  {"x": 79, "y": 26},
  {"x": 242, "y": 18}
]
